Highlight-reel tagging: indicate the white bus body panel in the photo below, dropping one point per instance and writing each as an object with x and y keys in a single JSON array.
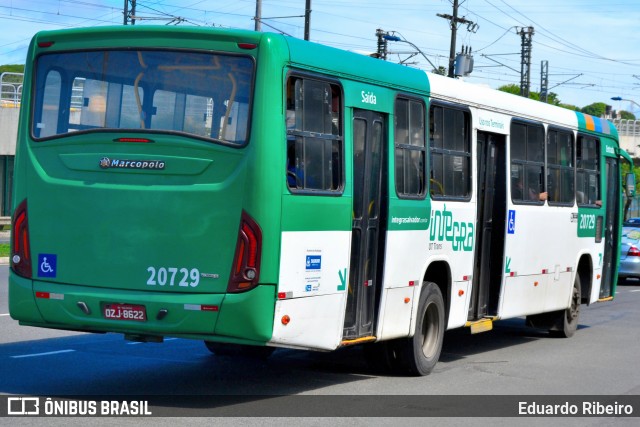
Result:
[{"x": 313, "y": 279}]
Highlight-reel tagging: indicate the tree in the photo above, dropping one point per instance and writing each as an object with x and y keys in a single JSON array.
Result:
[
  {"x": 596, "y": 109},
  {"x": 627, "y": 115},
  {"x": 510, "y": 88},
  {"x": 569, "y": 107},
  {"x": 12, "y": 68}
]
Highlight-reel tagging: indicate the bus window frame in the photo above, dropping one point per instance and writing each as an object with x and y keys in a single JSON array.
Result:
[
  {"x": 524, "y": 163},
  {"x": 599, "y": 158},
  {"x": 71, "y": 77},
  {"x": 552, "y": 128},
  {"x": 468, "y": 155},
  {"x": 409, "y": 147},
  {"x": 340, "y": 137}
]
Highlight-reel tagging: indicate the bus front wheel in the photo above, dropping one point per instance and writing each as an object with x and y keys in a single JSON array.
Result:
[{"x": 422, "y": 351}]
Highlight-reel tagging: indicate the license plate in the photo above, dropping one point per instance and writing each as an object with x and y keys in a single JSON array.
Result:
[{"x": 124, "y": 312}]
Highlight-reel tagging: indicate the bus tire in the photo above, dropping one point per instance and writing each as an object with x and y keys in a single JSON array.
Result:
[
  {"x": 567, "y": 321},
  {"x": 422, "y": 351},
  {"x": 239, "y": 350}
]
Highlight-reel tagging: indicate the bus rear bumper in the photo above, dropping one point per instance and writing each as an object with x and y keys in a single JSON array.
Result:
[
  {"x": 245, "y": 317},
  {"x": 85, "y": 308}
]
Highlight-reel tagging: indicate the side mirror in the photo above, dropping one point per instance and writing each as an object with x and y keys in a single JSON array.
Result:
[{"x": 630, "y": 184}]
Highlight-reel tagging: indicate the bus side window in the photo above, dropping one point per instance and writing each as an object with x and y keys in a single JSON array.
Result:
[
  {"x": 560, "y": 167},
  {"x": 527, "y": 163},
  {"x": 314, "y": 143},
  {"x": 409, "y": 132},
  {"x": 588, "y": 171},
  {"x": 450, "y": 153}
]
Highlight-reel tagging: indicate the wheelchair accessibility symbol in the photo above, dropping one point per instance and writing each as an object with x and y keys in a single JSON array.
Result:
[
  {"x": 47, "y": 265},
  {"x": 511, "y": 224}
]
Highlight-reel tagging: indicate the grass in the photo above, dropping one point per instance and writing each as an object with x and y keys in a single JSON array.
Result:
[{"x": 4, "y": 249}]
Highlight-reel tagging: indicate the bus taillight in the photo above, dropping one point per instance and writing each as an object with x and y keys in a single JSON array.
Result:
[
  {"x": 246, "y": 263},
  {"x": 20, "y": 254}
]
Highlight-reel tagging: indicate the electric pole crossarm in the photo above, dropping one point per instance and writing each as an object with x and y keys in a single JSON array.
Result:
[{"x": 453, "y": 23}]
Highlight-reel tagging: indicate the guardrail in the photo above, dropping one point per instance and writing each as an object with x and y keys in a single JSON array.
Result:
[{"x": 627, "y": 127}]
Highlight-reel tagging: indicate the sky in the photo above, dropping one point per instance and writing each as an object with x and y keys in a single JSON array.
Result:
[{"x": 592, "y": 46}]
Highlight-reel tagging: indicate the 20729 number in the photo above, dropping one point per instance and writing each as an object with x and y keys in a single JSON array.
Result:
[{"x": 173, "y": 276}]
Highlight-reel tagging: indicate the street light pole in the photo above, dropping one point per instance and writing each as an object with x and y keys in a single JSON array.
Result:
[
  {"x": 395, "y": 38},
  {"x": 618, "y": 98}
]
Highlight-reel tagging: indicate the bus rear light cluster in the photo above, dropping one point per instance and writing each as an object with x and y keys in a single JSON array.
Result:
[
  {"x": 20, "y": 251},
  {"x": 245, "y": 271}
]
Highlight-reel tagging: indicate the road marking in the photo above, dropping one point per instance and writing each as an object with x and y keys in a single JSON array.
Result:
[
  {"x": 41, "y": 354},
  {"x": 4, "y": 314},
  {"x": 635, "y": 290}
]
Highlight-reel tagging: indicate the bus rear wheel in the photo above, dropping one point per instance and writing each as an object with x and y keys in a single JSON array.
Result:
[
  {"x": 239, "y": 350},
  {"x": 422, "y": 351},
  {"x": 567, "y": 322}
]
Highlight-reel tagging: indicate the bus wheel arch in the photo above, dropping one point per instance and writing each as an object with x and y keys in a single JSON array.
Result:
[
  {"x": 585, "y": 275},
  {"x": 439, "y": 273}
]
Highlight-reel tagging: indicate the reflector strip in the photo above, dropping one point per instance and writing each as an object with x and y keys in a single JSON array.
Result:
[
  {"x": 49, "y": 295},
  {"x": 513, "y": 274},
  {"x": 285, "y": 295}
]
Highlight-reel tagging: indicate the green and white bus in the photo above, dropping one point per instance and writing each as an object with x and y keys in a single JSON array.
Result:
[{"x": 258, "y": 191}]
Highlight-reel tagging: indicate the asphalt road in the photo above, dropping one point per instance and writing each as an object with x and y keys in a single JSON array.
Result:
[{"x": 601, "y": 359}]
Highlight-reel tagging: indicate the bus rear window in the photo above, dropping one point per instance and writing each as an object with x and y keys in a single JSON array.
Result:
[{"x": 204, "y": 95}]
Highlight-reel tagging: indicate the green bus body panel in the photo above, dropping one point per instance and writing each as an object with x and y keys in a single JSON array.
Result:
[
  {"x": 248, "y": 315},
  {"x": 113, "y": 230},
  {"x": 340, "y": 63},
  {"x": 106, "y": 225},
  {"x": 22, "y": 301}
]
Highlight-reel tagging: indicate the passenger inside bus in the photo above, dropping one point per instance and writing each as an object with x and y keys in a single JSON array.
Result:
[{"x": 531, "y": 193}]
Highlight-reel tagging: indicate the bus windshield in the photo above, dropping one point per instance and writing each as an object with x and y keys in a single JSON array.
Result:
[{"x": 205, "y": 95}]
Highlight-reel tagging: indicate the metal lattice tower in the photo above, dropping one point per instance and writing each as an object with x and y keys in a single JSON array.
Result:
[
  {"x": 525, "y": 65},
  {"x": 544, "y": 81},
  {"x": 129, "y": 13},
  {"x": 382, "y": 44}
]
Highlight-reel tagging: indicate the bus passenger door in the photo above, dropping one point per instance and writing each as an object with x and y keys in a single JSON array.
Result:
[
  {"x": 368, "y": 227},
  {"x": 490, "y": 225},
  {"x": 610, "y": 230}
]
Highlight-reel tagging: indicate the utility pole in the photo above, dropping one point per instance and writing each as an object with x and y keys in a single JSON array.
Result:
[
  {"x": 129, "y": 14},
  {"x": 454, "y": 21},
  {"x": 525, "y": 64},
  {"x": 258, "y": 16},
  {"x": 307, "y": 19},
  {"x": 544, "y": 81}
]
